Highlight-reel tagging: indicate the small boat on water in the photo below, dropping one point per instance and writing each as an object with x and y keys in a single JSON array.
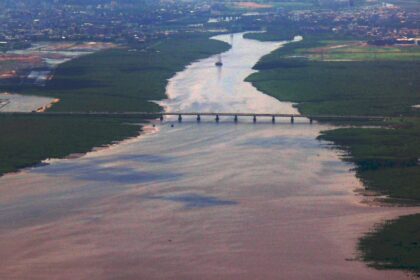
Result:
[{"x": 219, "y": 62}]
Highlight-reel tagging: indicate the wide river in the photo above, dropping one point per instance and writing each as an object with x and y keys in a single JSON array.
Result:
[{"x": 195, "y": 201}]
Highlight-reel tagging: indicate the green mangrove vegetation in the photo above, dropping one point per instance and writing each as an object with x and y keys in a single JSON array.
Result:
[
  {"x": 386, "y": 158},
  {"x": 25, "y": 141},
  {"x": 395, "y": 245},
  {"x": 115, "y": 80},
  {"x": 342, "y": 88}
]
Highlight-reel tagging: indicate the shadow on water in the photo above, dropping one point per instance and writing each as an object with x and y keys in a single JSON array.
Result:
[
  {"x": 101, "y": 181},
  {"x": 123, "y": 175},
  {"x": 138, "y": 158},
  {"x": 194, "y": 200},
  {"x": 289, "y": 142},
  {"x": 94, "y": 170},
  {"x": 37, "y": 210}
]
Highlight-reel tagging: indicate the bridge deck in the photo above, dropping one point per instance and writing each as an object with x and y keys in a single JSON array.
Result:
[{"x": 220, "y": 114}]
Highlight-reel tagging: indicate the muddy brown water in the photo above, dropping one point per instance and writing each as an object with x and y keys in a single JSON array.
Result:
[{"x": 195, "y": 201}]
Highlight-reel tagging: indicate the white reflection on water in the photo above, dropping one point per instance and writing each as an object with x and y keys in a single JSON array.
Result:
[
  {"x": 194, "y": 201},
  {"x": 206, "y": 88}
]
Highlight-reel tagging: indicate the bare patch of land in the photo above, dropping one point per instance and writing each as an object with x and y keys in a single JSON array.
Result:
[
  {"x": 359, "y": 51},
  {"x": 252, "y": 5}
]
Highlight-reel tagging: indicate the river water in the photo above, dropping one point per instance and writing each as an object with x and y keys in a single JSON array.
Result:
[{"x": 194, "y": 201}]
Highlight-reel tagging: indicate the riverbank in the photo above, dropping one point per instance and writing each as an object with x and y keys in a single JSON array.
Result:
[
  {"x": 386, "y": 158},
  {"x": 123, "y": 79}
]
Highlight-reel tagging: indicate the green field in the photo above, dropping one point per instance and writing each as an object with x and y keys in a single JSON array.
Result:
[
  {"x": 123, "y": 79},
  {"x": 387, "y": 157},
  {"x": 359, "y": 51}
]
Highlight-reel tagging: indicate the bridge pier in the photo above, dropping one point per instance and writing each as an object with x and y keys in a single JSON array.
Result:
[
  {"x": 198, "y": 118},
  {"x": 273, "y": 119},
  {"x": 235, "y": 119},
  {"x": 179, "y": 118},
  {"x": 217, "y": 118},
  {"x": 161, "y": 118},
  {"x": 255, "y": 119},
  {"x": 292, "y": 119}
]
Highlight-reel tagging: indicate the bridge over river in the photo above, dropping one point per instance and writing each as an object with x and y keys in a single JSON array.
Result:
[{"x": 235, "y": 115}]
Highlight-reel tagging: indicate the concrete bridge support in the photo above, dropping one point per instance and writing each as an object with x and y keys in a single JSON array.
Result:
[
  {"x": 180, "y": 118},
  {"x": 235, "y": 118},
  {"x": 292, "y": 119},
  {"x": 255, "y": 119},
  {"x": 198, "y": 118},
  {"x": 217, "y": 118},
  {"x": 273, "y": 119}
]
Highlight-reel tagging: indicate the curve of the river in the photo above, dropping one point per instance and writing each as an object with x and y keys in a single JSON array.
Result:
[{"x": 194, "y": 201}]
